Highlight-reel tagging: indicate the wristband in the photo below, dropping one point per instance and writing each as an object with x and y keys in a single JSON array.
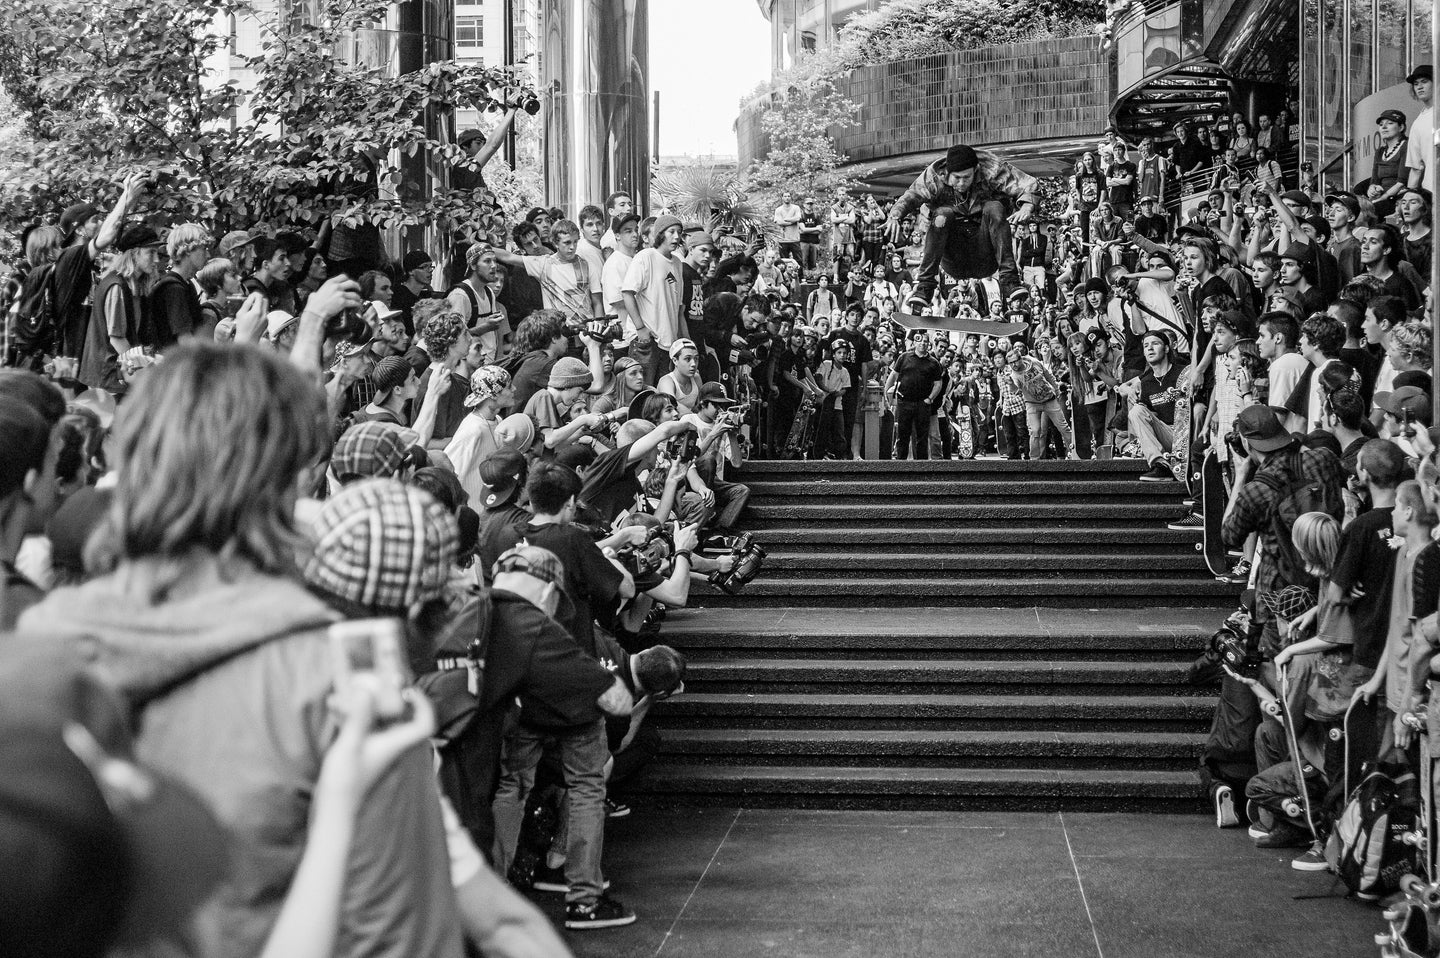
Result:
[{"x": 688, "y": 554}]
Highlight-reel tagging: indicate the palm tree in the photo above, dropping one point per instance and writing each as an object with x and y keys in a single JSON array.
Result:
[{"x": 711, "y": 196}]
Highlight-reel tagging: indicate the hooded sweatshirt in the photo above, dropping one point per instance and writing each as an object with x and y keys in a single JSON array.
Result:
[{"x": 227, "y": 672}]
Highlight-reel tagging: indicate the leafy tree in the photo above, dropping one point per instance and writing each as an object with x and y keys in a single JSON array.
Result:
[
  {"x": 103, "y": 86},
  {"x": 903, "y": 29},
  {"x": 801, "y": 114},
  {"x": 709, "y": 195}
]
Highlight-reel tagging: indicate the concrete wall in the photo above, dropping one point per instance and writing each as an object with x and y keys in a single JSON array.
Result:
[{"x": 1036, "y": 93}]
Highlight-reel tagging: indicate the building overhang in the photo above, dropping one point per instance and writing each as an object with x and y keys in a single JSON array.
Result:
[{"x": 1044, "y": 158}]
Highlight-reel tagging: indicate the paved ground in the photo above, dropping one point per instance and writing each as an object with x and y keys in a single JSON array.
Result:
[{"x": 737, "y": 883}]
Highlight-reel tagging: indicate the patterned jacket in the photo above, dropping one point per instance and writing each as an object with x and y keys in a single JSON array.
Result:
[{"x": 994, "y": 179}]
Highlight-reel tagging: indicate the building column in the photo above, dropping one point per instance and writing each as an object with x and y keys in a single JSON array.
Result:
[{"x": 595, "y": 75}]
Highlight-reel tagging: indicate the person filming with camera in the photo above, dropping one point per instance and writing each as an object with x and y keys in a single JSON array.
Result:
[{"x": 715, "y": 420}]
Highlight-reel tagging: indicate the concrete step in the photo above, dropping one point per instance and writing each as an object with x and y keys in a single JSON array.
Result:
[
  {"x": 1049, "y": 712},
  {"x": 1017, "y": 591},
  {"x": 1077, "y": 540},
  {"x": 844, "y": 517},
  {"x": 933, "y": 490},
  {"x": 906, "y": 565},
  {"x": 1144, "y": 634},
  {"x": 889, "y": 469},
  {"x": 843, "y": 786},
  {"x": 732, "y": 674},
  {"x": 1176, "y": 751}
]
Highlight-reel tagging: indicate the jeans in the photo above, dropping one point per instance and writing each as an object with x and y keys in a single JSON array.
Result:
[
  {"x": 730, "y": 499},
  {"x": 1036, "y": 413},
  {"x": 1155, "y": 438},
  {"x": 850, "y": 405},
  {"x": 1013, "y": 436},
  {"x": 968, "y": 245},
  {"x": 912, "y": 423},
  {"x": 583, "y": 754}
]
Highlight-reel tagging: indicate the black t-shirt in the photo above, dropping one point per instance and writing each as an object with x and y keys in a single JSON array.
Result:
[
  {"x": 1367, "y": 364},
  {"x": 73, "y": 278},
  {"x": 610, "y": 485},
  {"x": 1350, "y": 456},
  {"x": 1189, "y": 156},
  {"x": 404, "y": 300},
  {"x": 810, "y": 227},
  {"x": 692, "y": 300},
  {"x": 1425, "y": 587},
  {"x": 452, "y": 410},
  {"x": 1122, "y": 195},
  {"x": 590, "y": 578},
  {"x": 532, "y": 376},
  {"x": 1153, "y": 228},
  {"x": 918, "y": 376},
  {"x": 860, "y": 354},
  {"x": 521, "y": 295},
  {"x": 174, "y": 310},
  {"x": 493, "y": 526},
  {"x": 1089, "y": 187},
  {"x": 1366, "y": 560},
  {"x": 1160, "y": 393}
]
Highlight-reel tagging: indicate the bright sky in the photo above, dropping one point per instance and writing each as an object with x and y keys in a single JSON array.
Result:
[{"x": 705, "y": 56}]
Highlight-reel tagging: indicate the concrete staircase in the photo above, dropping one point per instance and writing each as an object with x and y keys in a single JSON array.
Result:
[{"x": 947, "y": 635}]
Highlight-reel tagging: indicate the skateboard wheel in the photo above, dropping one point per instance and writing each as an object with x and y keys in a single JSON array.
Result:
[
  {"x": 1336, "y": 735},
  {"x": 1199, "y": 547},
  {"x": 1291, "y": 808}
]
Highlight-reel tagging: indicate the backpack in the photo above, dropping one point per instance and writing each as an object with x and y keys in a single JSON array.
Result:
[
  {"x": 454, "y": 685},
  {"x": 1368, "y": 846},
  {"x": 1298, "y": 496},
  {"x": 33, "y": 329}
]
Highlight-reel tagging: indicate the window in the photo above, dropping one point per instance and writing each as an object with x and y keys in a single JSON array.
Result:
[{"x": 469, "y": 32}]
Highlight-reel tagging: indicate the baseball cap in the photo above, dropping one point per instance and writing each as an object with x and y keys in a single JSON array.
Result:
[
  {"x": 1289, "y": 602},
  {"x": 135, "y": 237},
  {"x": 415, "y": 259},
  {"x": 369, "y": 449},
  {"x": 1149, "y": 198},
  {"x": 1297, "y": 196},
  {"x": 681, "y": 344},
  {"x": 1260, "y": 426},
  {"x": 625, "y": 221},
  {"x": 1346, "y": 199},
  {"x": 276, "y": 322},
  {"x": 501, "y": 474},
  {"x": 715, "y": 392},
  {"x": 383, "y": 545},
  {"x": 540, "y": 563},
  {"x": 486, "y": 382},
  {"x": 515, "y": 433},
  {"x": 390, "y": 373},
  {"x": 1394, "y": 116},
  {"x": 234, "y": 240},
  {"x": 1407, "y": 400},
  {"x": 1423, "y": 72},
  {"x": 384, "y": 313},
  {"x": 76, "y": 216},
  {"x": 1300, "y": 252}
]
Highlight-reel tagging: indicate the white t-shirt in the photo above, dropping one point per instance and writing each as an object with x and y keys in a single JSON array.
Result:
[
  {"x": 1285, "y": 373},
  {"x": 560, "y": 285},
  {"x": 652, "y": 278},
  {"x": 789, "y": 231},
  {"x": 473, "y": 443},
  {"x": 1420, "y": 148},
  {"x": 594, "y": 258},
  {"x": 612, "y": 282},
  {"x": 1313, "y": 410},
  {"x": 1385, "y": 378}
]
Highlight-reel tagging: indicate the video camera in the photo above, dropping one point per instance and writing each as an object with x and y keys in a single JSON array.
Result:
[
  {"x": 747, "y": 556},
  {"x": 684, "y": 447},
  {"x": 602, "y": 329},
  {"x": 650, "y": 557},
  {"x": 1230, "y": 648}
]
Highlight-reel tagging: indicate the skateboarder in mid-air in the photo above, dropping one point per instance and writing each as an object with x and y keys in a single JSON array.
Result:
[{"x": 969, "y": 232}]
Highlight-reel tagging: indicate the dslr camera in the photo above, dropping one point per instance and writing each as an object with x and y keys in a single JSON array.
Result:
[
  {"x": 748, "y": 556},
  {"x": 1231, "y": 649}
]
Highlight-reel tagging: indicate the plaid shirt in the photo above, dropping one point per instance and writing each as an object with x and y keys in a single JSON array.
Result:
[
  {"x": 994, "y": 178},
  {"x": 1252, "y": 508},
  {"x": 872, "y": 232},
  {"x": 1011, "y": 402}
]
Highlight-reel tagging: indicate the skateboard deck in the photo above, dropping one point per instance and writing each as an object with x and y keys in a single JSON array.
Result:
[
  {"x": 1212, "y": 495},
  {"x": 795, "y": 442},
  {"x": 954, "y": 324}
]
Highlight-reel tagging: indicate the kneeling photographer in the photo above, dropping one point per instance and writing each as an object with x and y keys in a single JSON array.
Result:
[{"x": 716, "y": 421}]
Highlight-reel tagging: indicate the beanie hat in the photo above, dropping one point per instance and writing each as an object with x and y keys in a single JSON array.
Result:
[
  {"x": 1096, "y": 285},
  {"x": 383, "y": 545},
  {"x": 960, "y": 158},
  {"x": 661, "y": 225},
  {"x": 390, "y": 373},
  {"x": 369, "y": 449},
  {"x": 569, "y": 371},
  {"x": 415, "y": 259}
]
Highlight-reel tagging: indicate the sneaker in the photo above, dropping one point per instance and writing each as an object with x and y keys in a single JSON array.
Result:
[
  {"x": 553, "y": 879},
  {"x": 1225, "y": 816},
  {"x": 1241, "y": 572},
  {"x": 1188, "y": 504},
  {"x": 1256, "y": 831},
  {"x": 1191, "y": 523},
  {"x": 614, "y": 809},
  {"x": 1312, "y": 861},
  {"x": 1285, "y": 835},
  {"x": 1157, "y": 473},
  {"x": 603, "y": 912},
  {"x": 1259, "y": 815}
]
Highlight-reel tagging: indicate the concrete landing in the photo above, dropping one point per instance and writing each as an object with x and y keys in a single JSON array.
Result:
[{"x": 736, "y": 883}]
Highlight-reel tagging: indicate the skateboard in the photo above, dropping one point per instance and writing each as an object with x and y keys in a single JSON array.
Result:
[
  {"x": 956, "y": 324},
  {"x": 795, "y": 445},
  {"x": 1301, "y": 803},
  {"x": 1213, "y": 498}
]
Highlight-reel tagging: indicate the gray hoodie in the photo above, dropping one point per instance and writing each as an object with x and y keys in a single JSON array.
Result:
[{"x": 228, "y": 674}]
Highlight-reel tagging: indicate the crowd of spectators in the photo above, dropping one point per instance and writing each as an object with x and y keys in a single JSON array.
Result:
[
  {"x": 366, "y": 576},
  {"x": 420, "y": 536}
]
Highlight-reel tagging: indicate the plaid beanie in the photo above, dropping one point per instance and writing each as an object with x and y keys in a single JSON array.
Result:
[
  {"x": 389, "y": 373},
  {"x": 383, "y": 545},
  {"x": 569, "y": 371},
  {"x": 369, "y": 449}
]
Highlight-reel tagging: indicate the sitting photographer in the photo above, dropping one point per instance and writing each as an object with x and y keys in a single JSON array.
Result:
[
  {"x": 630, "y": 620},
  {"x": 715, "y": 420}
]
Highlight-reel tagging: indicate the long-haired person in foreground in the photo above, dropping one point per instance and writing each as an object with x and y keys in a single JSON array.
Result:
[{"x": 223, "y": 656}]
